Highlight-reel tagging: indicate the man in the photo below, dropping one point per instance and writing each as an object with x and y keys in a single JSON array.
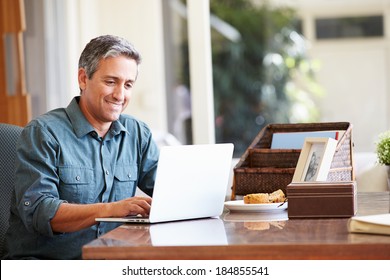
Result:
[{"x": 84, "y": 161}]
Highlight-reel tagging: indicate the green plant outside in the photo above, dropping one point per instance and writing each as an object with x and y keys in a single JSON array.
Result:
[{"x": 383, "y": 148}]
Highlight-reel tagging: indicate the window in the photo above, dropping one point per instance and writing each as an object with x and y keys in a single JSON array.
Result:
[
  {"x": 349, "y": 27},
  {"x": 177, "y": 81}
]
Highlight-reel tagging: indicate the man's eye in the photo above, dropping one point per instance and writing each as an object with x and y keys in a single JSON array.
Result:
[
  {"x": 129, "y": 85},
  {"x": 109, "y": 82}
]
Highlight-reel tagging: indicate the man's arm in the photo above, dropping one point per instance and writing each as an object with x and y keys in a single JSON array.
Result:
[{"x": 74, "y": 217}]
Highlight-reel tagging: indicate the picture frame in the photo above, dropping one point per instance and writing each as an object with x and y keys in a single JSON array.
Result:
[{"x": 315, "y": 159}]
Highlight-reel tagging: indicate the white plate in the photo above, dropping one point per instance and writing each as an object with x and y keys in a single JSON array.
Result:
[{"x": 239, "y": 205}]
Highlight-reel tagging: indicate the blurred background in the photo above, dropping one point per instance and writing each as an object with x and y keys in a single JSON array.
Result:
[{"x": 221, "y": 70}]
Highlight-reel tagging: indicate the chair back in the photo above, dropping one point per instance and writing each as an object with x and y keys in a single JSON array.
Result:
[{"x": 9, "y": 135}]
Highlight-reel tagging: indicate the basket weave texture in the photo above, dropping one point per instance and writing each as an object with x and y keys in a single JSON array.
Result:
[{"x": 262, "y": 169}]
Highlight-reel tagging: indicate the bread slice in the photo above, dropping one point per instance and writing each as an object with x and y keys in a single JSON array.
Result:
[
  {"x": 257, "y": 198},
  {"x": 277, "y": 196}
]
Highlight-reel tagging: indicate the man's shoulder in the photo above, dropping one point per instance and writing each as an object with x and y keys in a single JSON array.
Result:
[
  {"x": 53, "y": 118},
  {"x": 130, "y": 122}
]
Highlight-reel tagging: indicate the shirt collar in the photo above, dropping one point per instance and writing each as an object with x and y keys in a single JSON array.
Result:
[
  {"x": 115, "y": 129},
  {"x": 81, "y": 125}
]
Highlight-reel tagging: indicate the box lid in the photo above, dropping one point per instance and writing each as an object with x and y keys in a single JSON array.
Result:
[{"x": 321, "y": 188}]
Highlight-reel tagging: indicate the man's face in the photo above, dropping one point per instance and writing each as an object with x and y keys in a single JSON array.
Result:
[{"x": 108, "y": 92}]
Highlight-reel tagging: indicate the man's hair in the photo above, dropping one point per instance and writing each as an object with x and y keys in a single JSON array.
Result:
[{"x": 103, "y": 47}]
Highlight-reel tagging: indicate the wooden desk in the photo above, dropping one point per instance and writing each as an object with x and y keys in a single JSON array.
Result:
[{"x": 249, "y": 236}]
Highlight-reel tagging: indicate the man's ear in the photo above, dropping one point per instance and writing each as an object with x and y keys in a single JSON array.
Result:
[{"x": 82, "y": 78}]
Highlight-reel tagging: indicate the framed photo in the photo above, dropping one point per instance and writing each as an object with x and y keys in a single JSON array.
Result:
[{"x": 315, "y": 159}]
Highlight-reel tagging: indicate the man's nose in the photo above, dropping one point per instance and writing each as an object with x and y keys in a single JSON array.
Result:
[{"x": 119, "y": 93}]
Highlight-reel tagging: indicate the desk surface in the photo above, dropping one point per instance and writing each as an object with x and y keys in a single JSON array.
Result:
[{"x": 247, "y": 236}]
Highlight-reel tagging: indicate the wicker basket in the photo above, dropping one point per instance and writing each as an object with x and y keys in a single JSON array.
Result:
[{"x": 262, "y": 169}]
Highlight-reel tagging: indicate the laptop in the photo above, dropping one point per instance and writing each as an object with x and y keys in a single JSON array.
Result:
[{"x": 191, "y": 183}]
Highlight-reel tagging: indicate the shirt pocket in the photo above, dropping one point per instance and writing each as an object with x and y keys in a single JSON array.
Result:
[
  {"x": 125, "y": 181},
  {"x": 77, "y": 184}
]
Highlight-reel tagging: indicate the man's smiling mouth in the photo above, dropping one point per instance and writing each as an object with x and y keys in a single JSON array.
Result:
[{"x": 115, "y": 104}]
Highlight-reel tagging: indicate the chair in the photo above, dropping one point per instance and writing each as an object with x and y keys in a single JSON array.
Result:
[{"x": 9, "y": 134}]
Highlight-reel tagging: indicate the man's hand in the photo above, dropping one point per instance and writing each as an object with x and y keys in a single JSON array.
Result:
[{"x": 137, "y": 205}]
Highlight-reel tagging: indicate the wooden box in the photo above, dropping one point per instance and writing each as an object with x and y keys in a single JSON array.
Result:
[{"x": 322, "y": 199}]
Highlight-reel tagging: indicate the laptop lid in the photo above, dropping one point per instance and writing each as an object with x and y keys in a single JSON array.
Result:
[{"x": 191, "y": 183}]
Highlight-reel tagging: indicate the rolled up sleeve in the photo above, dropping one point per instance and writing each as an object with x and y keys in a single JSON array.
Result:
[{"x": 36, "y": 181}]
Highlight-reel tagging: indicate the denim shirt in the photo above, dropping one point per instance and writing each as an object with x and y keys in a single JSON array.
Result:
[{"x": 61, "y": 159}]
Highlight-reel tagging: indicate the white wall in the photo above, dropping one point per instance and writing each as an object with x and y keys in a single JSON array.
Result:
[
  {"x": 354, "y": 72},
  {"x": 358, "y": 92}
]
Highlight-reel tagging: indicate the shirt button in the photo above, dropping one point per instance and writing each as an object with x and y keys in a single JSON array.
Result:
[
  {"x": 27, "y": 203},
  {"x": 78, "y": 178},
  {"x": 129, "y": 175},
  {"x": 107, "y": 172}
]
